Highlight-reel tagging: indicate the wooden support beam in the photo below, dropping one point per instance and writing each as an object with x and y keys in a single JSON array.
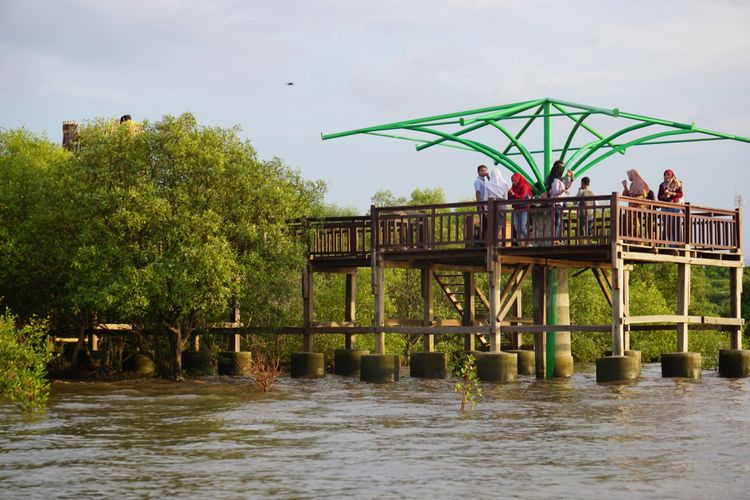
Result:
[
  {"x": 307, "y": 307},
  {"x": 626, "y": 307},
  {"x": 514, "y": 291},
  {"x": 350, "y": 307},
  {"x": 683, "y": 303},
  {"x": 604, "y": 284},
  {"x": 618, "y": 304},
  {"x": 464, "y": 330},
  {"x": 235, "y": 340},
  {"x": 93, "y": 341},
  {"x": 378, "y": 285},
  {"x": 494, "y": 267},
  {"x": 469, "y": 309},
  {"x": 516, "y": 338},
  {"x": 726, "y": 260},
  {"x": 662, "y": 318},
  {"x": 331, "y": 324},
  {"x": 428, "y": 307},
  {"x": 539, "y": 286},
  {"x": 735, "y": 302},
  {"x": 556, "y": 328}
]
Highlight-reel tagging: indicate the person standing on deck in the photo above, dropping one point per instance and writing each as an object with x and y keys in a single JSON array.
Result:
[
  {"x": 585, "y": 210},
  {"x": 633, "y": 221},
  {"x": 670, "y": 191},
  {"x": 557, "y": 188},
  {"x": 520, "y": 190},
  {"x": 480, "y": 193},
  {"x": 497, "y": 189}
]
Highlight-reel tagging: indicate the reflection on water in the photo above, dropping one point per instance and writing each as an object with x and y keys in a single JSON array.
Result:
[{"x": 339, "y": 437}]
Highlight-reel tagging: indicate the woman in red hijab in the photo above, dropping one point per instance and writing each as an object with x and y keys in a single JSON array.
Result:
[{"x": 520, "y": 190}]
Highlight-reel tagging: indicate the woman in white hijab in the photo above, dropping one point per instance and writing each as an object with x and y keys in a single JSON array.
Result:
[{"x": 497, "y": 189}]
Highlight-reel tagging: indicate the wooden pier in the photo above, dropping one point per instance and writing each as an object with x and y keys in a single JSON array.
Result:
[{"x": 451, "y": 243}]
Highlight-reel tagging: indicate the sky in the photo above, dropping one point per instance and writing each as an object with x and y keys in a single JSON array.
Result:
[{"x": 357, "y": 63}]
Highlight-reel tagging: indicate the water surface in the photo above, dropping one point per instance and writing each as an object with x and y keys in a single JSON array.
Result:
[{"x": 338, "y": 437}]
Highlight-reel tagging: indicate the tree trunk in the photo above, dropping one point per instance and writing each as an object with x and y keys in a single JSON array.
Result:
[{"x": 177, "y": 352}]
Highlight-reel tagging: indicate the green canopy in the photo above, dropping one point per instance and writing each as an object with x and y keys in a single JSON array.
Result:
[{"x": 583, "y": 148}]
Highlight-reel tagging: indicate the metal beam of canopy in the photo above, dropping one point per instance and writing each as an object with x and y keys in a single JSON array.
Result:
[{"x": 588, "y": 146}]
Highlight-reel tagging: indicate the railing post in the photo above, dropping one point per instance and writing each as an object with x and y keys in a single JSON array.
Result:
[
  {"x": 738, "y": 229},
  {"x": 614, "y": 218},
  {"x": 489, "y": 233},
  {"x": 374, "y": 229},
  {"x": 688, "y": 227}
]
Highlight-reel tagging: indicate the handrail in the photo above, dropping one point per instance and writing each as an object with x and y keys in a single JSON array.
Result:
[{"x": 571, "y": 221}]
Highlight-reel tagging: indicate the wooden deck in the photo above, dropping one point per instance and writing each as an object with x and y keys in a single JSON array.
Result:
[{"x": 606, "y": 234}]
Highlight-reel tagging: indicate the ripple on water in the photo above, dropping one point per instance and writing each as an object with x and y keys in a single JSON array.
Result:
[{"x": 339, "y": 437}]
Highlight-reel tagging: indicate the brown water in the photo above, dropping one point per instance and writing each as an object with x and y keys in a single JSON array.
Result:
[{"x": 337, "y": 437}]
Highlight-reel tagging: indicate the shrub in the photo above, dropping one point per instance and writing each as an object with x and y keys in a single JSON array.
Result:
[{"x": 24, "y": 354}]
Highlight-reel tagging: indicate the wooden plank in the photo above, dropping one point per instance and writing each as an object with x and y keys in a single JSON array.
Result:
[
  {"x": 677, "y": 259},
  {"x": 437, "y": 329},
  {"x": 403, "y": 322},
  {"x": 715, "y": 320},
  {"x": 662, "y": 318},
  {"x": 114, "y": 326},
  {"x": 556, "y": 328},
  {"x": 330, "y": 324}
]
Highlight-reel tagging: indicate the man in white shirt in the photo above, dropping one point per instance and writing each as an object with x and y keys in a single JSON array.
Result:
[
  {"x": 480, "y": 183},
  {"x": 480, "y": 192}
]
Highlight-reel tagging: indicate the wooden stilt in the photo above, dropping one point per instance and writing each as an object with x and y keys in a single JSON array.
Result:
[
  {"x": 516, "y": 338},
  {"x": 378, "y": 285},
  {"x": 493, "y": 264},
  {"x": 626, "y": 308},
  {"x": 735, "y": 301},
  {"x": 93, "y": 342},
  {"x": 469, "y": 309},
  {"x": 350, "y": 311},
  {"x": 539, "y": 286},
  {"x": 307, "y": 297},
  {"x": 234, "y": 340},
  {"x": 683, "y": 303},
  {"x": 618, "y": 304},
  {"x": 428, "y": 308}
]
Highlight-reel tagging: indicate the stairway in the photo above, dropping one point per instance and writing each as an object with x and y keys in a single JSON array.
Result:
[{"x": 452, "y": 284}]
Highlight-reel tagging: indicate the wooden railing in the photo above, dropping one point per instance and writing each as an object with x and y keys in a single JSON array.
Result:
[
  {"x": 654, "y": 223},
  {"x": 563, "y": 221},
  {"x": 338, "y": 236}
]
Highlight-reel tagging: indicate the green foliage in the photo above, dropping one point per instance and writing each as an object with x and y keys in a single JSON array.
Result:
[
  {"x": 34, "y": 232},
  {"x": 468, "y": 385},
  {"x": 24, "y": 354}
]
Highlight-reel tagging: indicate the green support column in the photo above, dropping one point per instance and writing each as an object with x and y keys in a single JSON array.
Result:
[{"x": 547, "y": 140}]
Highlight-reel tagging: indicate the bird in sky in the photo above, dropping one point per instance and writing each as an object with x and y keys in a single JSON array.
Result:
[{"x": 290, "y": 83}]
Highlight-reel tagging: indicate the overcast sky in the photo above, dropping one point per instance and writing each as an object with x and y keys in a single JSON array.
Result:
[{"x": 357, "y": 63}]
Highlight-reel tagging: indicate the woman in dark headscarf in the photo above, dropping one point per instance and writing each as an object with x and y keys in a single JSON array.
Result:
[
  {"x": 670, "y": 191},
  {"x": 556, "y": 187}
]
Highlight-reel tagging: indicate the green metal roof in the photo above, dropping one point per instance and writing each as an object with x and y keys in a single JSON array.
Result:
[{"x": 583, "y": 148}]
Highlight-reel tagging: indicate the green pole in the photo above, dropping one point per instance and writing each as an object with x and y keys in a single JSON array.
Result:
[
  {"x": 552, "y": 314},
  {"x": 552, "y": 320},
  {"x": 547, "y": 140}
]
